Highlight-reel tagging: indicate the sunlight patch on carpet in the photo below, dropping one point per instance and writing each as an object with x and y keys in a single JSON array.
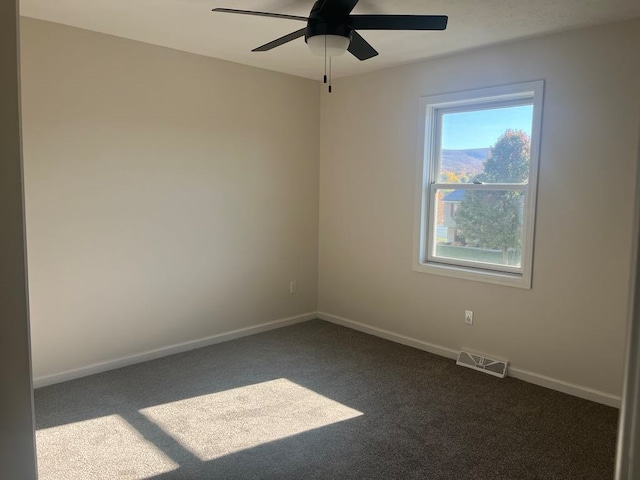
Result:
[
  {"x": 218, "y": 424},
  {"x": 101, "y": 448}
]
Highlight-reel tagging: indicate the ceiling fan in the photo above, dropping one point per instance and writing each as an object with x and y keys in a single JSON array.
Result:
[{"x": 331, "y": 29}]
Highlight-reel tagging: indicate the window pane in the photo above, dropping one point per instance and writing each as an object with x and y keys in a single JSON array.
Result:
[
  {"x": 479, "y": 226},
  {"x": 487, "y": 146}
]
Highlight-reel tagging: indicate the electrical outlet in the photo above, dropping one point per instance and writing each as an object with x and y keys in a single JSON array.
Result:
[
  {"x": 293, "y": 287},
  {"x": 468, "y": 317}
]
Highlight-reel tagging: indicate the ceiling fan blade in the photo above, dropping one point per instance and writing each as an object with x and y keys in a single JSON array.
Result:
[
  {"x": 398, "y": 22},
  {"x": 280, "y": 41},
  {"x": 332, "y": 9},
  {"x": 345, "y": 6},
  {"x": 259, "y": 14},
  {"x": 360, "y": 48}
]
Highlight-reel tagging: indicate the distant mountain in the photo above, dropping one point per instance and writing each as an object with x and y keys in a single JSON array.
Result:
[{"x": 468, "y": 162}]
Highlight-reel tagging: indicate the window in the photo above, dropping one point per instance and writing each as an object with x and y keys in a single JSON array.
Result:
[{"x": 477, "y": 172}]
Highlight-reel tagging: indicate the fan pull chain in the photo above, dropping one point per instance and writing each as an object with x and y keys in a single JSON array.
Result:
[
  {"x": 329, "y": 74},
  {"x": 325, "y": 59}
]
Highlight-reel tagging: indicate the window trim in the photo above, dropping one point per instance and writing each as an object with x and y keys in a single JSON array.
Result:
[{"x": 429, "y": 123}]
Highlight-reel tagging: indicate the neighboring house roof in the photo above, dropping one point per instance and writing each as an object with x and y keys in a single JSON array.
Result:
[{"x": 455, "y": 196}]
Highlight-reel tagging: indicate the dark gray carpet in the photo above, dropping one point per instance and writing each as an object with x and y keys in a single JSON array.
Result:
[{"x": 316, "y": 400}]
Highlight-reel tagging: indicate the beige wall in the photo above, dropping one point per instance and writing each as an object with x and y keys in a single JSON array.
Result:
[
  {"x": 169, "y": 197},
  {"x": 17, "y": 455},
  {"x": 571, "y": 325}
]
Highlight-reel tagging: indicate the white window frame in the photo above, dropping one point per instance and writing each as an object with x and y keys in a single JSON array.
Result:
[{"x": 431, "y": 110}]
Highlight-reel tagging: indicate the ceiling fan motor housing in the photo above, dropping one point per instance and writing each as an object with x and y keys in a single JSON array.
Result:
[{"x": 326, "y": 19}]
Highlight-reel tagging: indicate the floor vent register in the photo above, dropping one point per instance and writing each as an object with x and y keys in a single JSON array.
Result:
[{"x": 497, "y": 368}]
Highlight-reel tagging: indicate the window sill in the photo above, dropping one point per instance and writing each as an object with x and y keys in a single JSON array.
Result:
[{"x": 467, "y": 273}]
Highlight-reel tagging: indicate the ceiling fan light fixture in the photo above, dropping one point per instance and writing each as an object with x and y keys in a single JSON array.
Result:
[{"x": 332, "y": 45}]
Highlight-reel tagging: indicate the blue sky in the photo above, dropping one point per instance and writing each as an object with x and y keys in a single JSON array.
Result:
[{"x": 482, "y": 128}]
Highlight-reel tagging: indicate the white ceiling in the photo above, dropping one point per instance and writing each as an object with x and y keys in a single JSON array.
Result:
[{"x": 189, "y": 25}]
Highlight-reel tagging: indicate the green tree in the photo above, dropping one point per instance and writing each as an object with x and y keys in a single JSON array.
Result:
[{"x": 492, "y": 218}]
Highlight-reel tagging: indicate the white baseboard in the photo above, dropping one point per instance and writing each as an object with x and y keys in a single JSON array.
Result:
[
  {"x": 394, "y": 337},
  {"x": 531, "y": 377},
  {"x": 170, "y": 350},
  {"x": 566, "y": 387},
  {"x": 527, "y": 376}
]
